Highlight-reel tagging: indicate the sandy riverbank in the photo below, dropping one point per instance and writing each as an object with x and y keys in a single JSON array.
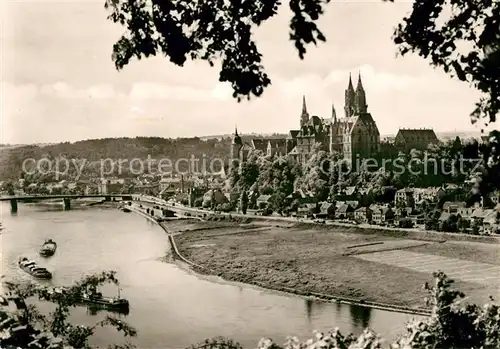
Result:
[{"x": 315, "y": 261}]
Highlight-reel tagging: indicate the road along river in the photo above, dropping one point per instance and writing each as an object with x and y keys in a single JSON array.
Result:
[{"x": 170, "y": 308}]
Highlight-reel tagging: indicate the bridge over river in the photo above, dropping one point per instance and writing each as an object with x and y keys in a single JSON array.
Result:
[{"x": 65, "y": 197}]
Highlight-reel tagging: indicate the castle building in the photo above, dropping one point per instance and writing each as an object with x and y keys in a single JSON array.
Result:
[
  {"x": 355, "y": 136},
  {"x": 312, "y": 130},
  {"x": 420, "y": 139},
  {"x": 241, "y": 149}
]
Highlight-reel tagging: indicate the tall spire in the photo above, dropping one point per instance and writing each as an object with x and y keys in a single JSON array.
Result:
[
  {"x": 304, "y": 117},
  {"x": 360, "y": 84},
  {"x": 334, "y": 114},
  {"x": 350, "y": 99},
  {"x": 350, "y": 87},
  {"x": 361, "y": 105},
  {"x": 236, "y": 138}
]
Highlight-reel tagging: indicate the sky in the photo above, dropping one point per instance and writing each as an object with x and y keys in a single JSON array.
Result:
[{"x": 60, "y": 84}]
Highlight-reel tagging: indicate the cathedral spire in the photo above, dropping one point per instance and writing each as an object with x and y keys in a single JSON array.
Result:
[
  {"x": 350, "y": 87},
  {"x": 235, "y": 130},
  {"x": 350, "y": 99},
  {"x": 304, "y": 107},
  {"x": 361, "y": 97},
  {"x": 360, "y": 84}
]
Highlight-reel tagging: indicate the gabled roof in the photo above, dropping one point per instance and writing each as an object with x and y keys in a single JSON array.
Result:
[
  {"x": 344, "y": 208},
  {"x": 350, "y": 190},
  {"x": 259, "y": 144},
  {"x": 325, "y": 206},
  {"x": 292, "y": 134},
  {"x": 294, "y": 151},
  {"x": 417, "y": 136},
  {"x": 491, "y": 216},
  {"x": 302, "y": 194},
  {"x": 278, "y": 143},
  {"x": 264, "y": 198},
  {"x": 480, "y": 213}
]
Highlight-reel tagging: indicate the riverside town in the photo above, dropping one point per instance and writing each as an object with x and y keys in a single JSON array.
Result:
[{"x": 331, "y": 179}]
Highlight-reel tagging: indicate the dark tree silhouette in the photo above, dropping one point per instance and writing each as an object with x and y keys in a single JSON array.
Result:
[
  {"x": 466, "y": 46},
  {"x": 221, "y": 30}
]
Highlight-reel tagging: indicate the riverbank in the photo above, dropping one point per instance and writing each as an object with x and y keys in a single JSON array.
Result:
[
  {"x": 314, "y": 262},
  {"x": 324, "y": 264},
  {"x": 214, "y": 275}
]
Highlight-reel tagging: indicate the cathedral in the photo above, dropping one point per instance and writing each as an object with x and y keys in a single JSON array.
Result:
[{"x": 355, "y": 136}]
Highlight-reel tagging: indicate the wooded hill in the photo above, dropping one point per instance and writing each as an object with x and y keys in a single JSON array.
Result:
[{"x": 95, "y": 150}]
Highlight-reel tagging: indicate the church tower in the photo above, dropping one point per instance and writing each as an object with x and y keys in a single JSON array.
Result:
[
  {"x": 361, "y": 105},
  {"x": 236, "y": 145},
  {"x": 304, "y": 117},
  {"x": 350, "y": 100},
  {"x": 334, "y": 130}
]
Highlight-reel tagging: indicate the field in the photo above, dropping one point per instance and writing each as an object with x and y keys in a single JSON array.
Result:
[{"x": 387, "y": 270}]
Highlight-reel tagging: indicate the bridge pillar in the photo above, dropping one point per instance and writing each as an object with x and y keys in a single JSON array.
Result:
[
  {"x": 107, "y": 198},
  {"x": 13, "y": 205},
  {"x": 67, "y": 203}
]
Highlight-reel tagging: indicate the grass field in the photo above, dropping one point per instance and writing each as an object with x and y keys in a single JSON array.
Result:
[{"x": 315, "y": 260}]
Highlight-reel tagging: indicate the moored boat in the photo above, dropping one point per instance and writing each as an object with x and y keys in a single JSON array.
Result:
[
  {"x": 32, "y": 268},
  {"x": 94, "y": 299},
  {"x": 98, "y": 301},
  {"x": 125, "y": 209},
  {"x": 48, "y": 248}
]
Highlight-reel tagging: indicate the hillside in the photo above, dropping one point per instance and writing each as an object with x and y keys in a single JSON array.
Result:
[{"x": 115, "y": 149}]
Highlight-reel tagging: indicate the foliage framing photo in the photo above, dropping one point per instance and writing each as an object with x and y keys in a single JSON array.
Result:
[{"x": 213, "y": 30}]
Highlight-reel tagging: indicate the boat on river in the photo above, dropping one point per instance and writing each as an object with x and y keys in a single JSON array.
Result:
[
  {"x": 48, "y": 248},
  {"x": 98, "y": 301},
  {"x": 32, "y": 268},
  {"x": 125, "y": 209}
]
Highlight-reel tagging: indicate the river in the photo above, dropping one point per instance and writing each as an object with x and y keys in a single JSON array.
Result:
[{"x": 170, "y": 307}]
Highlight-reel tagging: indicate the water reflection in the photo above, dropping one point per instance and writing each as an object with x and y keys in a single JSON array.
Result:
[
  {"x": 360, "y": 317},
  {"x": 309, "y": 305}
]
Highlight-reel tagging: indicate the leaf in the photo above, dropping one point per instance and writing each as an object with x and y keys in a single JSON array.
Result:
[{"x": 458, "y": 69}]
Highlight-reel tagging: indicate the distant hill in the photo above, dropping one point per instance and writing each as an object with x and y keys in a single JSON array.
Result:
[{"x": 115, "y": 149}]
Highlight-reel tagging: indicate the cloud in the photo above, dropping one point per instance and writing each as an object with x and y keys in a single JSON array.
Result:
[
  {"x": 137, "y": 110},
  {"x": 152, "y": 91},
  {"x": 66, "y": 91}
]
